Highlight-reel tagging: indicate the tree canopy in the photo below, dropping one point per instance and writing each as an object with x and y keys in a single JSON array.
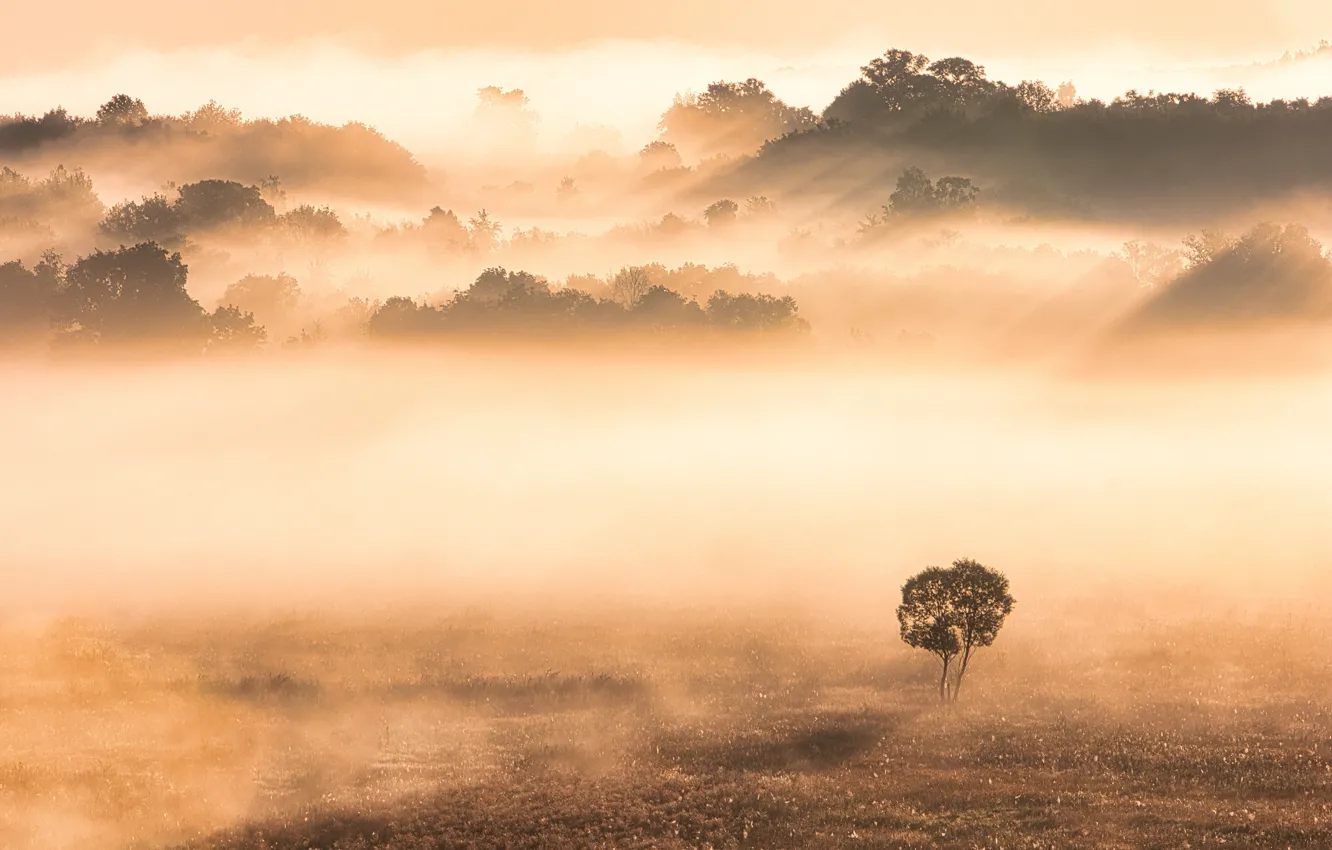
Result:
[
  {"x": 951, "y": 612},
  {"x": 729, "y": 118}
]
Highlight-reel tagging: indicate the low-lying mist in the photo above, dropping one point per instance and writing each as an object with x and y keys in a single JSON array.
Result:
[{"x": 772, "y": 477}]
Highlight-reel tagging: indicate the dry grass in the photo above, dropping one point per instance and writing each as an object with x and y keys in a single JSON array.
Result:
[{"x": 638, "y": 731}]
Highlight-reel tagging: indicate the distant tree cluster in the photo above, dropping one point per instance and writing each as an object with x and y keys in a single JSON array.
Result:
[
  {"x": 1269, "y": 272},
  {"x": 660, "y": 156},
  {"x": 506, "y": 301},
  {"x": 917, "y": 197},
  {"x": 442, "y": 231},
  {"x": 65, "y": 196},
  {"x": 212, "y": 205},
  {"x": 132, "y": 296},
  {"x": 902, "y": 86},
  {"x": 1051, "y": 150},
  {"x": 136, "y": 297},
  {"x": 354, "y": 159},
  {"x": 730, "y": 118},
  {"x": 692, "y": 280}
]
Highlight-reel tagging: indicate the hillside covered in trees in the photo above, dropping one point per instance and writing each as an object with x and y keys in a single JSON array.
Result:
[
  {"x": 896, "y": 212},
  {"x": 1043, "y": 149}
]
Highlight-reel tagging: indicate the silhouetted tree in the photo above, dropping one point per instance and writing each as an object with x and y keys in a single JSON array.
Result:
[
  {"x": 154, "y": 219},
  {"x": 951, "y": 612},
  {"x": 494, "y": 285},
  {"x": 917, "y": 195},
  {"x": 730, "y": 118},
  {"x": 903, "y": 86},
  {"x": 28, "y": 296},
  {"x": 442, "y": 229},
  {"x": 747, "y": 312},
  {"x": 231, "y": 329},
  {"x": 955, "y": 193},
  {"x": 217, "y": 203},
  {"x": 122, "y": 110},
  {"x": 483, "y": 232},
  {"x": 134, "y": 294},
  {"x": 659, "y": 155},
  {"x": 900, "y": 80},
  {"x": 721, "y": 213},
  {"x": 567, "y": 190},
  {"x": 914, "y": 193},
  {"x": 312, "y": 224},
  {"x": 1231, "y": 100},
  {"x": 213, "y": 118},
  {"x": 667, "y": 309},
  {"x": 925, "y": 619},
  {"x": 400, "y": 317},
  {"x": 759, "y": 206},
  {"x": 630, "y": 284},
  {"x": 1036, "y": 96}
]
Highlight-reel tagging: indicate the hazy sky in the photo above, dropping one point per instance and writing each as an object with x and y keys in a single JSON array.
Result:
[{"x": 57, "y": 31}]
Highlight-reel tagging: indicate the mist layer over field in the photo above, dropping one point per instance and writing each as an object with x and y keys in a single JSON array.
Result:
[{"x": 334, "y": 480}]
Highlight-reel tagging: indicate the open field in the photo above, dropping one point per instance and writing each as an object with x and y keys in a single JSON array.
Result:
[
  {"x": 565, "y": 603},
  {"x": 1094, "y": 724}
]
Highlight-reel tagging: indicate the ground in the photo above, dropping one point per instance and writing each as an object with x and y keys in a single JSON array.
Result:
[{"x": 638, "y": 729}]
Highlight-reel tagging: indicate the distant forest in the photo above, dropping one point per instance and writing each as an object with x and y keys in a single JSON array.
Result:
[
  {"x": 1039, "y": 147},
  {"x": 1042, "y": 147},
  {"x": 912, "y": 146},
  {"x": 136, "y": 296}
]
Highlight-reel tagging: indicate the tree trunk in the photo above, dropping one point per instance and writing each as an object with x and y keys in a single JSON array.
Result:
[
  {"x": 943, "y": 682},
  {"x": 961, "y": 671}
]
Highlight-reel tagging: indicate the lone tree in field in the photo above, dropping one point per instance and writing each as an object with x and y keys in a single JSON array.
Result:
[{"x": 952, "y": 612}]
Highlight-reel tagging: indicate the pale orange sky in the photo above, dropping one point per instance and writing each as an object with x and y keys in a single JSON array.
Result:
[{"x": 54, "y": 32}]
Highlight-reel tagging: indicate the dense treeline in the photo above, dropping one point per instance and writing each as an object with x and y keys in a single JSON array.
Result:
[
  {"x": 992, "y": 146},
  {"x": 136, "y": 296},
  {"x": 1040, "y": 148},
  {"x": 1045, "y": 148},
  {"x": 41, "y": 209},
  {"x": 501, "y": 300},
  {"x": 130, "y": 296},
  {"x": 354, "y": 159},
  {"x": 211, "y": 205},
  {"x": 730, "y": 118}
]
